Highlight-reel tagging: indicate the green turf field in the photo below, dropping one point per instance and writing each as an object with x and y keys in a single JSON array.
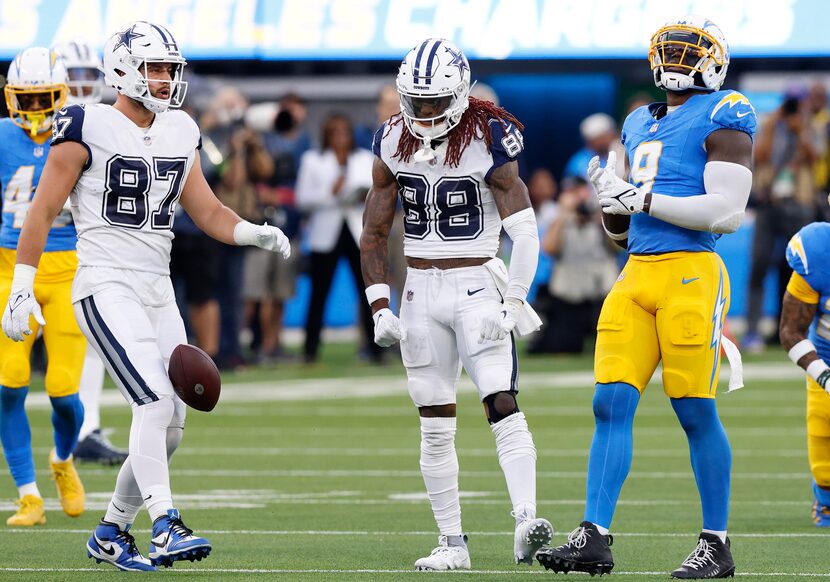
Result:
[{"x": 311, "y": 473}]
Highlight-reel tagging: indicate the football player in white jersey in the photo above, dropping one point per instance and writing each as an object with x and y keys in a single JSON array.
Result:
[
  {"x": 451, "y": 159},
  {"x": 86, "y": 85},
  {"x": 127, "y": 166}
]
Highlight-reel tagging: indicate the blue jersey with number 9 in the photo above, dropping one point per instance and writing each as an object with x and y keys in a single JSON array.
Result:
[
  {"x": 21, "y": 163},
  {"x": 667, "y": 156}
]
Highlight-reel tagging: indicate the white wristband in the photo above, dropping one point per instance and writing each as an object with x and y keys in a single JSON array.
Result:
[
  {"x": 244, "y": 233},
  {"x": 800, "y": 350},
  {"x": 816, "y": 369},
  {"x": 377, "y": 291},
  {"x": 24, "y": 276}
]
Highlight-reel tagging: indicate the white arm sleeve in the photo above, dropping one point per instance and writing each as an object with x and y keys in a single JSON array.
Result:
[
  {"x": 720, "y": 210},
  {"x": 522, "y": 229}
]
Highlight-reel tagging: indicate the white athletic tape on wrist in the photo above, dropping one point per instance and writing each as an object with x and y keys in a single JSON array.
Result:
[
  {"x": 816, "y": 369},
  {"x": 377, "y": 291},
  {"x": 24, "y": 276},
  {"x": 800, "y": 350}
]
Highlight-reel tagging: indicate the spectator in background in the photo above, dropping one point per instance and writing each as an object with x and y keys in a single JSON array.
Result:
[
  {"x": 784, "y": 190},
  {"x": 237, "y": 159},
  {"x": 331, "y": 187},
  {"x": 600, "y": 136},
  {"x": 585, "y": 271},
  {"x": 542, "y": 190},
  {"x": 269, "y": 282},
  {"x": 820, "y": 120}
]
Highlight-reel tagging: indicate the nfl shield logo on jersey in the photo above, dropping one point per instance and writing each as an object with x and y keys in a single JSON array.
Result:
[{"x": 409, "y": 295}]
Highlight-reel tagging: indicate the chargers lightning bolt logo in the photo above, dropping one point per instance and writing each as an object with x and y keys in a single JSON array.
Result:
[
  {"x": 717, "y": 328},
  {"x": 732, "y": 100}
]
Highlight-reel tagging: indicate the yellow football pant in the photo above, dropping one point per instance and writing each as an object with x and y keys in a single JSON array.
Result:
[
  {"x": 818, "y": 433},
  {"x": 65, "y": 344},
  {"x": 668, "y": 308}
]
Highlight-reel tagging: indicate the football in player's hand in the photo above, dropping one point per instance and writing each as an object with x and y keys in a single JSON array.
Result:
[{"x": 195, "y": 377}]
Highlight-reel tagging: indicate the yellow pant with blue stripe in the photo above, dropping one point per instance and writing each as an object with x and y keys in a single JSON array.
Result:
[
  {"x": 65, "y": 344},
  {"x": 667, "y": 308}
]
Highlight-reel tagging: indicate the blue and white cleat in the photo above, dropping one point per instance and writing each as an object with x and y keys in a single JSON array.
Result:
[
  {"x": 821, "y": 514},
  {"x": 173, "y": 541},
  {"x": 110, "y": 544}
]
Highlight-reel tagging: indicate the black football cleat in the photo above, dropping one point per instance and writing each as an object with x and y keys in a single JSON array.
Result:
[
  {"x": 710, "y": 559},
  {"x": 96, "y": 448},
  {"x": 587, "y": 550}
]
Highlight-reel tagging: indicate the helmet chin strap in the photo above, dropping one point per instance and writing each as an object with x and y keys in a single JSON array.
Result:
[
  {"x": 427, "y": 134},
  {"x": 35, "y": 121}
]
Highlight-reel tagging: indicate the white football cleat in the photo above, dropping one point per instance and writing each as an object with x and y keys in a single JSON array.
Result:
[
  {"x": 445, "y": 557},
  {"x": 531, "y": 534}
]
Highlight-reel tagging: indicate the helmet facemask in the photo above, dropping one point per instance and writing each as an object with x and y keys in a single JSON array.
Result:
[
  {"x": 86, "y": 84},
  {"x": 33, "y": 107},
  {"x": 140, "y": 87},
  {"x": 432, "y": 116},
  {"x": 684, "y": 57}
]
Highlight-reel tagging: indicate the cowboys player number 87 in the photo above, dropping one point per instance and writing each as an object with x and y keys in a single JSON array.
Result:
[{"x": 127, "y": 166}]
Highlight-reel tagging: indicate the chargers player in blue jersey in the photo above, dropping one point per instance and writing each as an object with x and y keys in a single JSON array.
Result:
[
  {"x": 805, "y": 334},
  {"x": 36, "y": 90},
  {"x": 688, "y": 161}
]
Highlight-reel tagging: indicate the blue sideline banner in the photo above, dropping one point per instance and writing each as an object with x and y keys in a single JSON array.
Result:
[{"x": 386, "y": 29}]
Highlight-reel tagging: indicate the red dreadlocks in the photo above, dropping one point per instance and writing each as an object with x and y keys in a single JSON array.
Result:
[{"x": 474, "y": 124}]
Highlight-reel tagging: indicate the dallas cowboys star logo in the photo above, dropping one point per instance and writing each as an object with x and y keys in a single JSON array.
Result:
[
  {"x": 458, "y": 60},
  {"x": 127, "y": 37}
]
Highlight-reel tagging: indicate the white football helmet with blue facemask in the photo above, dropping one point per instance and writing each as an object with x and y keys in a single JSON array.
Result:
[
  {"x": 126, "y": 56},
  {"x": 434, "y": 85},
  {"x": 689, "y": 53}
]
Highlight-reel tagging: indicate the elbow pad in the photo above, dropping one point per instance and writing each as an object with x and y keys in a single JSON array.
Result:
[{"x": 522, "y": 230}]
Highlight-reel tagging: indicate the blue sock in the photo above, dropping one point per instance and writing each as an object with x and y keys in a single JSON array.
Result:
[
  {"x": 611, "y": 449},
  {"x": 823, "y": 495},
  {"x": 711, "y": 457},
  {"x": 16, "y": 435},
  {"x": 67, "y": 418}
]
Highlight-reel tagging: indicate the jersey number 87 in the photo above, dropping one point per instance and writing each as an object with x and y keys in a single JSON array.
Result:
[{"x": 129, "y": 180}]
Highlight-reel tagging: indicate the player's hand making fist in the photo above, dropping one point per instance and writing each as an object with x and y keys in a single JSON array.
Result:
[
  {"x": 263, "y": 236},
  {"x": 616, "y": 196},
  {"x": 388, "y": 328}
]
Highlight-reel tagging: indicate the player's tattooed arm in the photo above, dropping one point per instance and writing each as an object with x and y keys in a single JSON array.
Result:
[
  {"x": 509, "y": 192},
  {"x": 63, "y": 168},
  {"x": 378, "y": 214},
  {"x": 796, "y": 317},
  {"x": 730, "y": 145}
]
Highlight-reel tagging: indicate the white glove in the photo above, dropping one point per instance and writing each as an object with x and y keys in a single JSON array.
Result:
[
  {"x": 616, "y": 196},
  {"x": 22, "y": 304},
  {"x": 263, "y": 236},
  {"x": 497, "y": 326},
  {"x": 388, "y": 328}
]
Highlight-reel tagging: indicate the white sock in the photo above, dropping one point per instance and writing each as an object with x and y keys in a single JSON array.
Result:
[
  {"x": 56, "y": 459},
  {"x": 601, "y": 530},
  {"x": 439, "y": 466},
  {"x": 29, "y": 489},
  {"x": 126, "y": 501},
  {"x": 720, "y": 534},
  {"x": 92, "y": 382},
  {"x": 517, "y": 457},
  {"x": 148, "y": 454}
]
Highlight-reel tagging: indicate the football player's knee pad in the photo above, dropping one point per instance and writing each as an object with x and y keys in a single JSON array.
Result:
[
  {"x": 61, "y": 381},
  {"x": 157, "y": 414},
  {"x": 15, "y": 372},
  {"x": 500, "y": 405}
]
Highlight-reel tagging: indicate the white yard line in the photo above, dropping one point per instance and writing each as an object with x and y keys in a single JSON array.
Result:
[
  {"x": 535, "y": 572},
  {"x": 366, "y": 533},
  {"x": 362, "y": 387}
]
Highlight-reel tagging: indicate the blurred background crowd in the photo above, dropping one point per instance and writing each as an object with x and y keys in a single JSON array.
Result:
[
  {"x": 288, "y": 97},
  {"x": 273, "y": 161}
]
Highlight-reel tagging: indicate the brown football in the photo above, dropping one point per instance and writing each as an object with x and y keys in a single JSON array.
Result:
[{"x": 195, "y": 377}]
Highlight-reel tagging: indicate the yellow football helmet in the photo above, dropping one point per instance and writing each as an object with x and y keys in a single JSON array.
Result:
[
  {"x": 36, "y": 87},
  {"x": 689, "y": 53}
]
